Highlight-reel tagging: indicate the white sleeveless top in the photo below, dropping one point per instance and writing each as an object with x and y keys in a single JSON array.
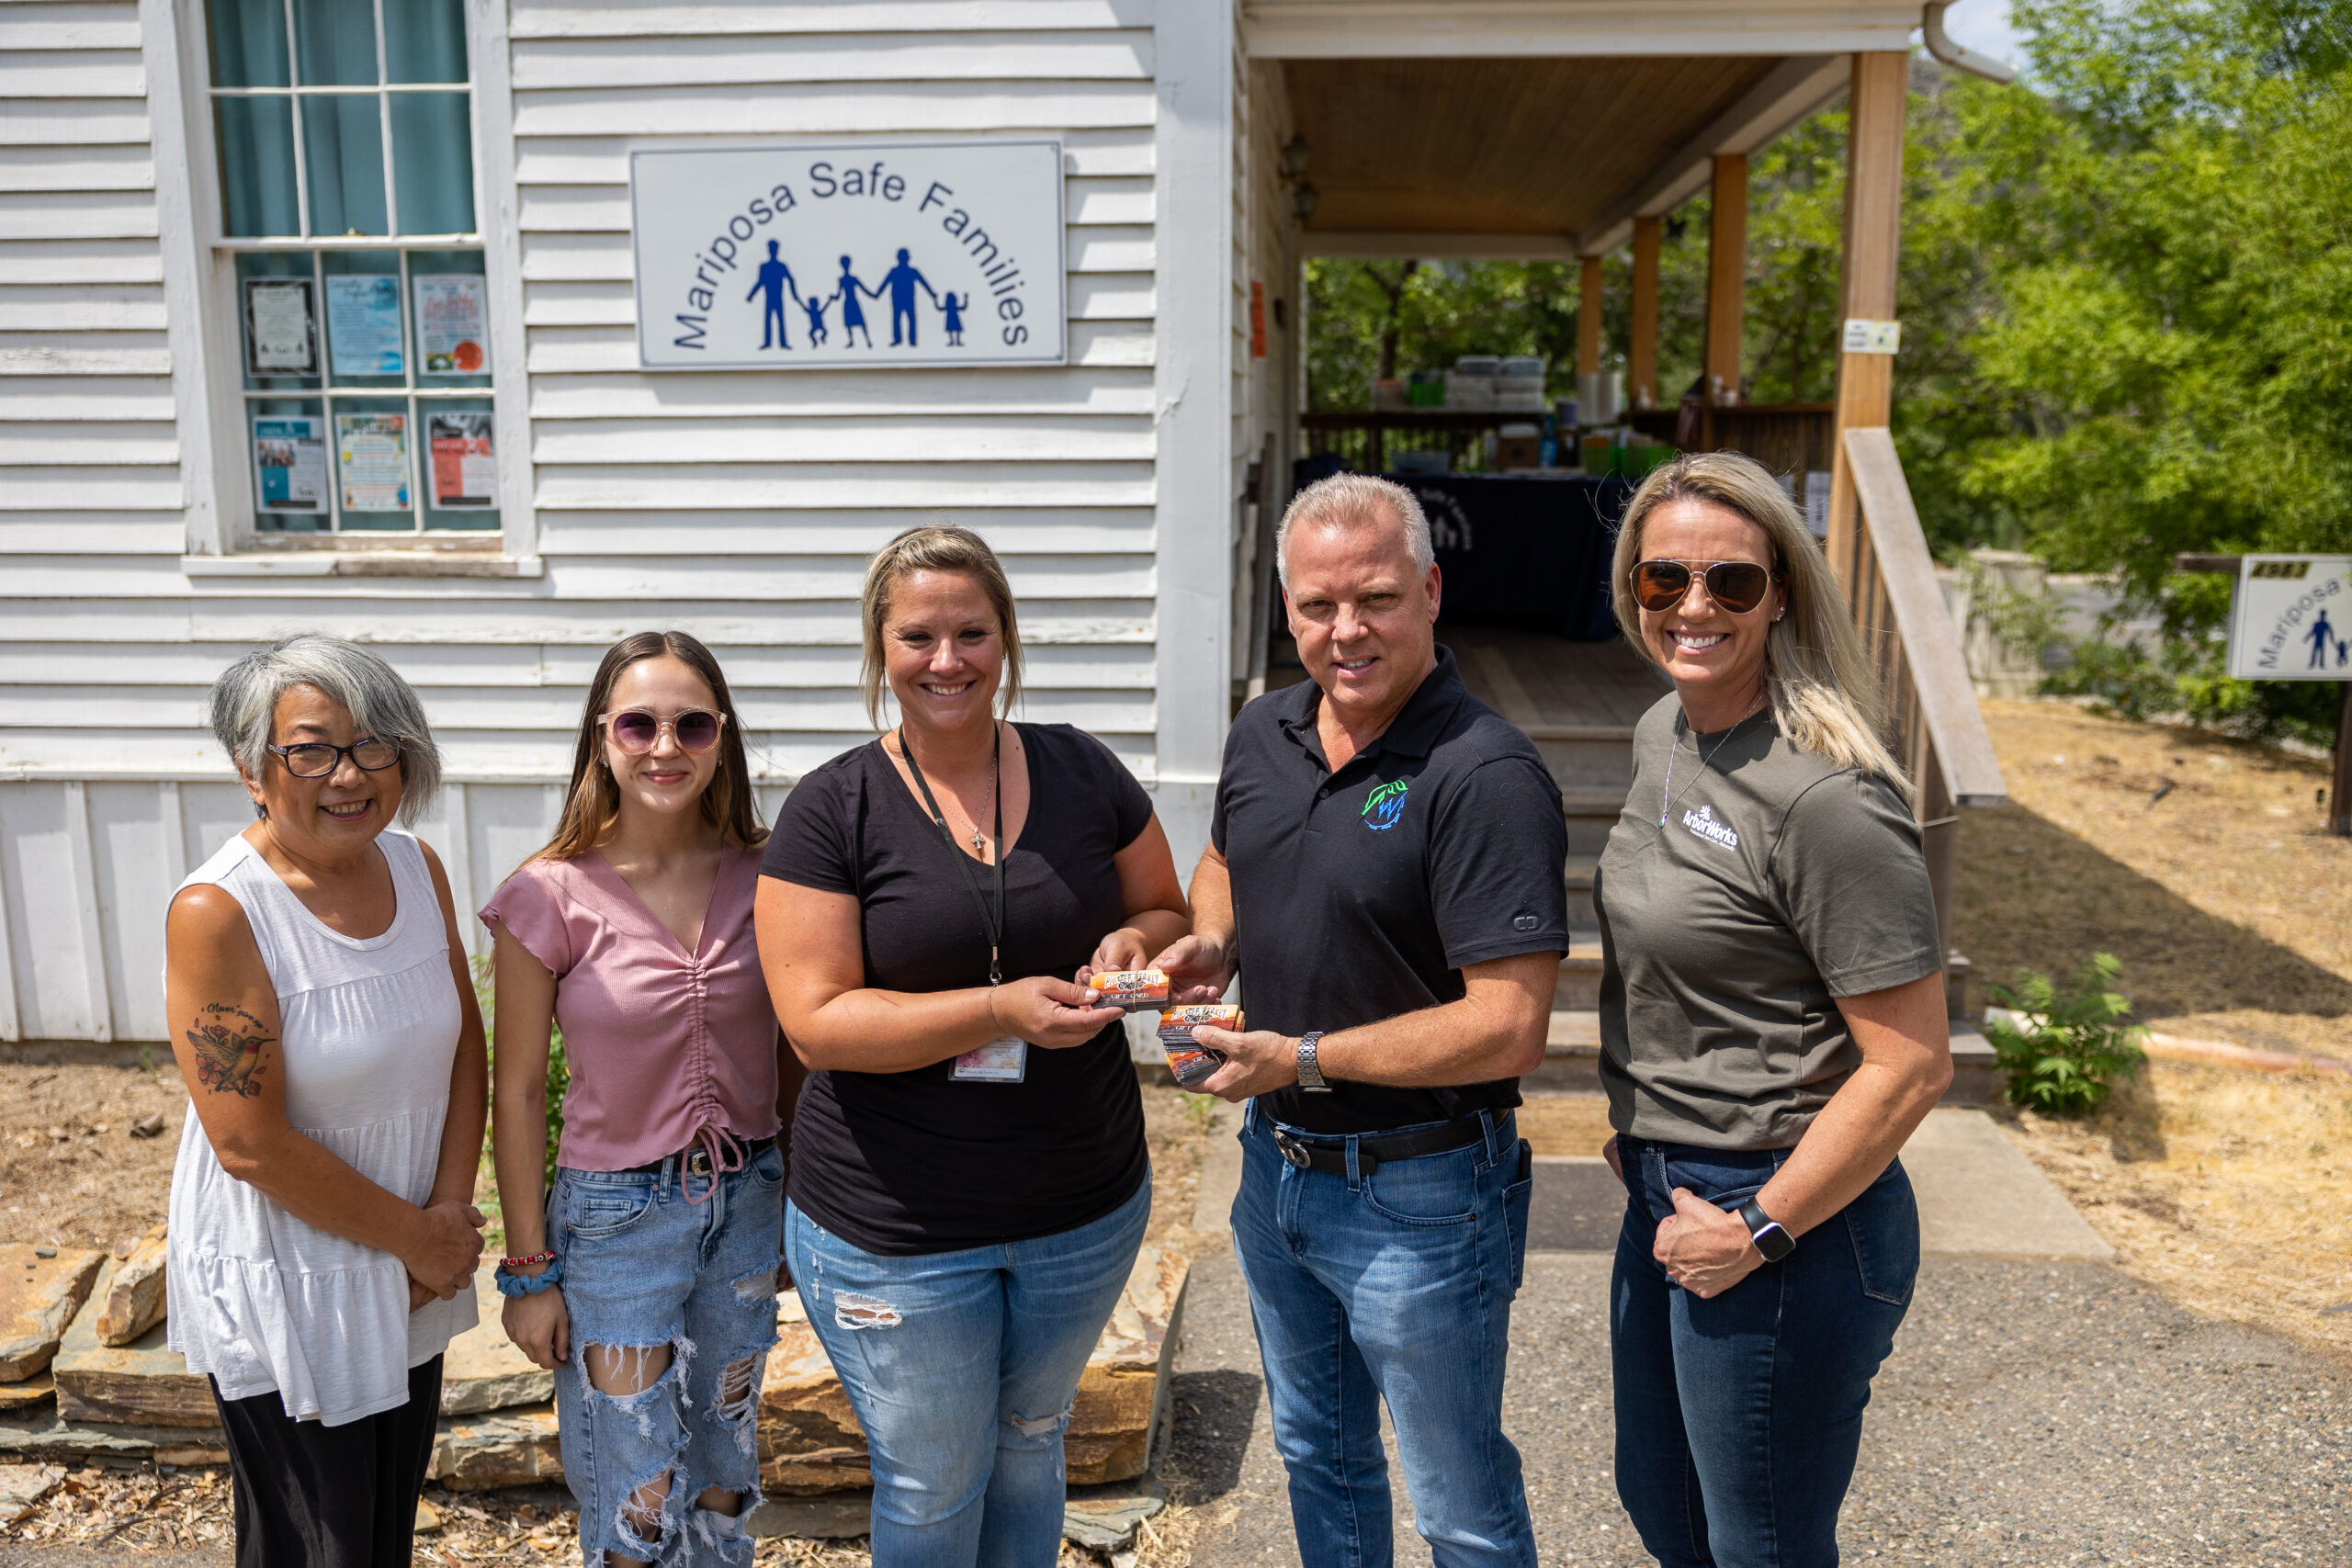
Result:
[{"x": 368, "y": 1035}]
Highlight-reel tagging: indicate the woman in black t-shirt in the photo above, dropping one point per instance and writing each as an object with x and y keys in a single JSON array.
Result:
[{"x": 969, "y": 1184}]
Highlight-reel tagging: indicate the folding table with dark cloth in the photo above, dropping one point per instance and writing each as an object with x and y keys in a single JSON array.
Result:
[{"x": 1524, "y": 550}]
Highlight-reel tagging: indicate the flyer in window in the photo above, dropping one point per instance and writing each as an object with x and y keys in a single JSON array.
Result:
[
  {"x": 281, "y": 336},
  {"x": 364, "y": 325},
  {"x": 291, "y": 463},
  {"x": 371, "y": 450},
  {"x": 465, "y": 469},
  {"x": 450, "y": 335}
]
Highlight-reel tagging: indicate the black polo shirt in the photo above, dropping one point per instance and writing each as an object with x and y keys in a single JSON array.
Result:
[{"x": 1361, "y": 895}]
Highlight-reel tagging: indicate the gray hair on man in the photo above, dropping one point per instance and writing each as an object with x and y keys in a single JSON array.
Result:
[
  {"x": 245, "y": 705},
  {"x": 1344, "y": 500}
]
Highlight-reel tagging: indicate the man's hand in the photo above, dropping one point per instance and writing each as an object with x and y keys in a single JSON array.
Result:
[
  {"x": 1255, "y": 1062},
  {"x": 1703, "y": 1248},
  {"x": 1198, "y": 970}
]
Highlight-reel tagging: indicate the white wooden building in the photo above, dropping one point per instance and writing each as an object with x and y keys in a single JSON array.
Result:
[{"x": 155, "y": 154}]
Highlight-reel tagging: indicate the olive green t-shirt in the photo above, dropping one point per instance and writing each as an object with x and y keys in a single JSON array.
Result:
[{"x": 1777, "y": 881}]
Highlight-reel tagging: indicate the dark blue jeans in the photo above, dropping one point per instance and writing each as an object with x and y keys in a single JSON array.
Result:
[
  {"x": 1392, "y": 1284},
  {"x": 1738, "y": 1418}
]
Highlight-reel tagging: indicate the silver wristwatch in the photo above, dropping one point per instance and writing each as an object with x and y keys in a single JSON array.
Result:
[{"x": 1310, "y": 1072}]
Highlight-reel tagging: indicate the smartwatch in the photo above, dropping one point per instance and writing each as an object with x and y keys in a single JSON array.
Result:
[
  {"x": 1310, "y": 1072},
  {"x": 1765, "y": 1230}
]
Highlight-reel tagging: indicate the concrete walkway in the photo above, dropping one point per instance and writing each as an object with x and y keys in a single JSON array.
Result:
[{"x": 2039, "y": 1406}]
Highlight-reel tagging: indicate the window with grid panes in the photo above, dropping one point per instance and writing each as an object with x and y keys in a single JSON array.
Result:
[{"x": 345, "y": 137}]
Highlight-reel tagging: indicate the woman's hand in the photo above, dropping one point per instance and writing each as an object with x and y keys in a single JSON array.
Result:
[
  {"x": 445, "y": 1247},
  {"x": 540, "y": 1327},
  {"x": 1616, "y": 1161},
  {"x": 418, "y": 1294},
  {"x": 1703, "y": 1248},
  {"x": 1122, "y": 949},
  {"x": 1048, "y": 1012}
]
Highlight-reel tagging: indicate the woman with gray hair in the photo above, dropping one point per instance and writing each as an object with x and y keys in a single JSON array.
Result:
[{"x": 322, "y": 1234}]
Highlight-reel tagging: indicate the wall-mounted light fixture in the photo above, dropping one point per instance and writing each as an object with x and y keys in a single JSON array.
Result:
[
  {"x": 1293, "y": 156},
  {"x": 1303, "y": 200}
]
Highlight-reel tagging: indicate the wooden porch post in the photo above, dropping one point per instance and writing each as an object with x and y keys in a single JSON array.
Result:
[
  {"x": 1641, "y": 358},
  {"x": 1873, "y": 233},
  {"x": 1726, "y": 274},
  {"x": 1589, "y": 325}
]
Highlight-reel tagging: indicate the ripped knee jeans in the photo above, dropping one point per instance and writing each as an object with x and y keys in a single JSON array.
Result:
[
  {"x": 961, "y": 1367},
  {"x": 669, "y": 1280}
]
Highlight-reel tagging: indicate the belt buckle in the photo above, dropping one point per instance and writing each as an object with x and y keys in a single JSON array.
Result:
[
  {"x": 1292, "y": 1149},
  {"x": 697, "y": 1161}
]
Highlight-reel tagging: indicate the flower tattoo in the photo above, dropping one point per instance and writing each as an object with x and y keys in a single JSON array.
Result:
[{"x": 228, "y": 1056}]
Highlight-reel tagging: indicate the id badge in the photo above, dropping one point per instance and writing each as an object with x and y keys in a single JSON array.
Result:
[{"x": 999, "y": 1061}]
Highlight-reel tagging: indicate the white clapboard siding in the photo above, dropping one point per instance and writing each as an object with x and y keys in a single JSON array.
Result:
[
  {"x": 74, "y": 122},
  {"x": 637, "y": 19},
  {"x": 1100, "y": 297}
]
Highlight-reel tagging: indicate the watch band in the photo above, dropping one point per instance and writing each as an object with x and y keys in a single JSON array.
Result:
[
  {"x": 1765, "y": 1230},
  {"x": 1310, "y": 1071}
]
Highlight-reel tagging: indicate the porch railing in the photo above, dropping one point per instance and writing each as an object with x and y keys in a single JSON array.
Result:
[{"x": 1934, "y": 723}]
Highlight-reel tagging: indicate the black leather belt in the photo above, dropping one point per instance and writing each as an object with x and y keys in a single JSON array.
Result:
[
  {"x": 1331, "y": 1154},
  {"x": 695, "y": 1160}
]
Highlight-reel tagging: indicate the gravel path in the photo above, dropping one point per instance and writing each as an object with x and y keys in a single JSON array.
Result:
[{"x": 2033, "y": 1413}]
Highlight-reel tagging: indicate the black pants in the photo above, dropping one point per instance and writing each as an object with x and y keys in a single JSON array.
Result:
[{"x": 316, "y": 1496}]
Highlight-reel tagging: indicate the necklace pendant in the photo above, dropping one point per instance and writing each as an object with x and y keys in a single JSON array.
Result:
[{"x": 980, "y": 842}]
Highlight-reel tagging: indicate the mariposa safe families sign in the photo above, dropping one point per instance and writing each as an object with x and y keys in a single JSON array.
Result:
[
  {"x": 791, "y": 257},
  {"x": 2292, "y": 619}
]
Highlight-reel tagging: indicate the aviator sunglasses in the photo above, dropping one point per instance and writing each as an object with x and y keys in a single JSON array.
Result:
[
  {"x": 636, "y": 731},
  {"x": 1738, "y": 585}
]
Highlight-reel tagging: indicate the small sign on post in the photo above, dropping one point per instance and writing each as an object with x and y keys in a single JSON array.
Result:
[{"x": 2292, "y": 621}]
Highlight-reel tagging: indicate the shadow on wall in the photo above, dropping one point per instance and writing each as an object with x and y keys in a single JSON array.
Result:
[{"x": 2032, "y": 894}]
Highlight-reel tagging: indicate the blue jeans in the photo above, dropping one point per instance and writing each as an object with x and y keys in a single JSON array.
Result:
[
  {"x": 666, "y": 1259},
  {"x": 1738, "y": 1418},
  {"x": 961, "y": 1367},
  {"x": 1396, "y": 1285}
]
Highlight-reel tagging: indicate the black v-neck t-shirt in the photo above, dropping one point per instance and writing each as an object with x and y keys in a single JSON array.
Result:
[{"x": 902, "y": 1164}]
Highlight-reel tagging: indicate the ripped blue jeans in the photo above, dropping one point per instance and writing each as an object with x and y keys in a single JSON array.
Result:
[
  {"x": 961, "y": 1367},
  {"x": 646, "y": 1269}
]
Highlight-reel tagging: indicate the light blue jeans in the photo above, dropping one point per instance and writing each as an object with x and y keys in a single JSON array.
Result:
[
  {"x": 1392, "y": 1284},
  {"x": 646, "y": 1267},
  {"x": 961, "y": 1367}
]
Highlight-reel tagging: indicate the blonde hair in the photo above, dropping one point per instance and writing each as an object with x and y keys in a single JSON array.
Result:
[
  {"x": 1819, "y": 679},
  {"x": 1344, "y": 499},
  {"x": 935, "y": 546}
]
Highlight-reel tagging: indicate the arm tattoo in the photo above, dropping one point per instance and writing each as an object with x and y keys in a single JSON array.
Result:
[{"x": 228, "y": 1049}]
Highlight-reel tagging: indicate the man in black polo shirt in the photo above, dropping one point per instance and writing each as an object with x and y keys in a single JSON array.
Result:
[{"x": 1385, "y": 871}]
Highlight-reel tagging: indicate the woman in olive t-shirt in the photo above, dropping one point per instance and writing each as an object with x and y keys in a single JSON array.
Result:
[
  {"x": 969, "y": 1184},
  {"x": 1772, "y": 1028}
]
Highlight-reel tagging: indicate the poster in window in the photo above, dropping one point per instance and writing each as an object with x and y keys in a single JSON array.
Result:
[
  {"x": 450, "y": 336},
  {"x": 281, "y": 330},
  {"x": 371, "y": 451},
  {"x": 465, "y": 467},
  {"x": 291, "y": 463},
  {"x": 364, "y": 325}
]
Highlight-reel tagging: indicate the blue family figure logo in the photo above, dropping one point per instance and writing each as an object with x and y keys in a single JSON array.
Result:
[
  {"x": 816, "y": 308},
  {"x": 1385, "y": 807},
  {"x": 852, "y": 313},
  {"x": 773, "y": 280},
  {"x": 2322, "y": 636},
  {"x": 902, "y": 280},
  {"x": 954, "y": 309}
]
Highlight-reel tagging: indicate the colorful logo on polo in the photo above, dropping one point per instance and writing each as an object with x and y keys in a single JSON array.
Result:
[{"x": 1384, "y": 805}]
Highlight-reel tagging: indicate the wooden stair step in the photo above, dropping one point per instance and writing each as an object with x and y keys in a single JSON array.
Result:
[
  {"x": 1592, "y": 802},
  {"x": 1617, "y": 732},
  {"x": 1581, "y": 871}
]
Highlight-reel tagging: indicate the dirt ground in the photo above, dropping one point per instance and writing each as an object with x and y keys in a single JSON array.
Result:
[{"x": 72, "y": 1171}]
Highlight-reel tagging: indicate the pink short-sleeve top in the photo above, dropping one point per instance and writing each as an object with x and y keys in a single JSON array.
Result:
[{"x": 667, "y": 1048}]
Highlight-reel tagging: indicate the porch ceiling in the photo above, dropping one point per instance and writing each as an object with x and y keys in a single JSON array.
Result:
[{"x": 1502, "y": 147}]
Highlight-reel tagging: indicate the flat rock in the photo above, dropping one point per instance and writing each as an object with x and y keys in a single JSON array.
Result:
[
  {"x": 810, "y": 1442},
  {"x": 133, "y": 1301},
  {"x": 143, "y": 1383},
  {"x": 30, "y": 1394},
  {"x": 481, "y": 1371},
  {"x": 22, "y": 1486},
  {"x": 838, "y": 1517},
  {"x": 1105, "y": 1517},
  {"x": 43, "y": 1295},
  {"x": 44, "y": 1436},
  {"x": 509, "y": 1448}
]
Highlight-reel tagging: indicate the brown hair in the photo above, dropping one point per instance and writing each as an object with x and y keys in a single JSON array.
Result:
[
  {"x": 1817, "y": 676},
  {"x": 594, "y": 800},
  {"x": 936, "y": 546}
]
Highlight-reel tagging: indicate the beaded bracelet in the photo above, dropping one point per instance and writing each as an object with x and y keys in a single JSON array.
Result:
[
  {"x": 517, "y": 1285},
  {"x": 531, "y": 1262}
]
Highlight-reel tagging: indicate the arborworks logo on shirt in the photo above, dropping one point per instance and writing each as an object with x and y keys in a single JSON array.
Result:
[
  {"x": 1702, "y": 822},
  {"x": 1386, "y": 805}
]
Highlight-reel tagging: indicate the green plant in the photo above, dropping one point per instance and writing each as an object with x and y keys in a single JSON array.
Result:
[
  {"x": 559, "y": 1067},
  {"x": 2067, "y": 1048}
]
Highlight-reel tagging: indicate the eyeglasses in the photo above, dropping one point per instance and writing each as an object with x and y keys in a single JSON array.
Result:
[
  {"x": 316, "y": 758},
  {"x": 636, "y": 731},
  {"x": 1738, "y": 585}
]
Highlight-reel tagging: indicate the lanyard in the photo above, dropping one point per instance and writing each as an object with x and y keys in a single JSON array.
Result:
[{"x": 995, "y": 928}]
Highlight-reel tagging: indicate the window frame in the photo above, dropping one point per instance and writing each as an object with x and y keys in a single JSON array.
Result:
[{"x": 204, "y": 320}]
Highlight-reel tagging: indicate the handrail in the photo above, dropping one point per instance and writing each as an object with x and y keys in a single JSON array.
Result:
[{"x": 1931, "y": 700}]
